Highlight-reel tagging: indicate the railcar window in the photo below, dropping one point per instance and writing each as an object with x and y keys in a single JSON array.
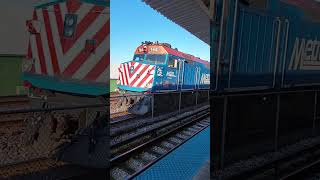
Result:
[{"x": 155, "y": 58}]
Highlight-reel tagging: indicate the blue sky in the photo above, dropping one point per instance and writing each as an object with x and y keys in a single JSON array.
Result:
[{"x": 132, "y": 22}]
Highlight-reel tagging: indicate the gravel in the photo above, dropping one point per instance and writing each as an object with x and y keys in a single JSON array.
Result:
[
  {"x": 158, "y": 150},
  {"x": 181, "y": 136},
  {"x": 175, "y": 140},
  {"x": 167, "y": 144},
  {"x": 118, "y": 173},
  {"x": 148, "y": 156},
  {"x": 135, "y": 164}
]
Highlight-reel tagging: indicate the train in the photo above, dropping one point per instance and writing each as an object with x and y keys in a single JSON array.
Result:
[
  {"x": 265, "y": 44},
  {"x": 67, "y": 65},
  {"x": 266, "y": 68},
  {"x": 158, "y": 68}
]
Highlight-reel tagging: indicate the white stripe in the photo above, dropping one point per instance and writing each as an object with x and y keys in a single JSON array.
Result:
[
  {"x": 45, "y": 46},
  {"x": 136, "y": 64},
  {"x": 141, "y": 77},
  {"x": 92, "y": 61},
  {"x": 127, "y": 72},
  {"x": 35, "y": 55},
  {"x": 120, "y": 75},
  {"x": 121, "y": 68},
  {"x": 104, "y": 77},
  {"x": 83, "y": 11},
  {"x": 137, "y": 72},
  {"x": 89, "y": 33},
  {"x": 63, "y": 7},
  {"x": 56, "y": 38},
  {"x": 148, "y": 79}
]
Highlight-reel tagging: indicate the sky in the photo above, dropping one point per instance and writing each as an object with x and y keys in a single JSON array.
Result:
[{"x": 133, "y": 22}]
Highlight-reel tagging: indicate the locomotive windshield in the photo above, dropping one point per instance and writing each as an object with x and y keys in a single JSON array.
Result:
[
  {"x": 156, "y": 58},
  {"x": 150, "y": 58},
  {"x": 138, "y": 57}
]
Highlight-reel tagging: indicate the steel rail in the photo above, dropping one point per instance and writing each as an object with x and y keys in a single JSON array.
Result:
[
  {"x": 120, "y": 158},
  {"x": 152, "y": 130}
]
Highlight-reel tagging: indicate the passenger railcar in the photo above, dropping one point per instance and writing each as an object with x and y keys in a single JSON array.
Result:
[
  {"x": 265, "y": 44},
  {"x": 67, "y": 62}
]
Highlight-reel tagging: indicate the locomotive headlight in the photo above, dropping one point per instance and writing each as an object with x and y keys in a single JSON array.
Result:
[
  {"x": 70, "y": 23},
  {"x": 27, "y": 65}
]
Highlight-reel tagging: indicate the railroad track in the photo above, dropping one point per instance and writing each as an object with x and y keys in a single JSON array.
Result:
[
  {"x": 157, "y": 142},
  {"x": 13, "y": 101},
  {"x": 289, "y": 162}
]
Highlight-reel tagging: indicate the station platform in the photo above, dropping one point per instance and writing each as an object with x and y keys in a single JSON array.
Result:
[{"x": 189, "y": 161}]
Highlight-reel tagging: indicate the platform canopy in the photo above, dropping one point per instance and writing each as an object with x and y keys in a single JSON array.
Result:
[{"x": 192, "y": 15}]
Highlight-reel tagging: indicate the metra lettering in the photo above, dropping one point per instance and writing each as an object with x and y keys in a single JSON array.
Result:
[{"x": 305, "y": 55}]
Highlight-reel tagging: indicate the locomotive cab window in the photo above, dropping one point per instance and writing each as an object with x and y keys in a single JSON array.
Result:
[
  {"x": 155, "y": 59},
  {"x": 138, "y": 57},
  {"x": 173, "y": 62}
]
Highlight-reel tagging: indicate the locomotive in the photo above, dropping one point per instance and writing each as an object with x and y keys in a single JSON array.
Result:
[
  {"x": 67, "y": 65},
  {"x": 158, "y": 68},
  {"x": 261, "y": 45}
]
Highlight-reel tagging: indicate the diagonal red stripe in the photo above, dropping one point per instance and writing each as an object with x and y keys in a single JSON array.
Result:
[
  {"x": 122, "y": 80},
  {"x": 40, "y": 48},
  {"x": 52, "y": 49},
  {"x": 30, "y": 56},
  {"x": 145, "y": 78},
  {"x": 135, "y": 70},
  {"x": 84, "y": 55},
  {"x": 59, "y": 20},
  {"x": 82, "y": 27},
  {"x": 151, "y": 80},
  {"x": 99, "y": 67},
  {"x": 73, "y": 6},
  {"x": 137, "y": 78},
  {"x": 125, "y": 74}
]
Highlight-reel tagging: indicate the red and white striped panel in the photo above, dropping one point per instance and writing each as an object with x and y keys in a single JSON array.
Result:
[
  {"x": 141, "y": 76},
  {"x": 56, "y": 55}
]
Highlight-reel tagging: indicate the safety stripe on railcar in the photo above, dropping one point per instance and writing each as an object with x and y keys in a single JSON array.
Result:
[
  {"x": 141, "y": 75},
  {"x": 61, "y": 56}
]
